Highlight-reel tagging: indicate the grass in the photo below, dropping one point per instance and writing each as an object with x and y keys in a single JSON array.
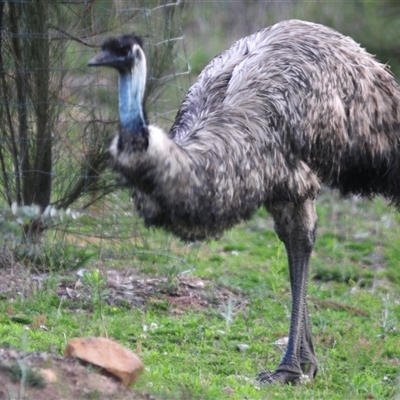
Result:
[{"x": 193, "y": 353}]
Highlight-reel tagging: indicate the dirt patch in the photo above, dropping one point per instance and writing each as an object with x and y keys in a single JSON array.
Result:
[
  {"x": 40, "y": 376},
  {"x": 123, "y": 288},
  {"x": 129, "y": 289}
]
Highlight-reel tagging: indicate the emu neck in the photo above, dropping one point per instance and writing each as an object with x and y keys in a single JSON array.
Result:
[{"x": 130, "y": 103}]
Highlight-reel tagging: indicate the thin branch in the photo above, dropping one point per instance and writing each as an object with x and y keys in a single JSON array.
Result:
[{"x": 72, "y": 37}]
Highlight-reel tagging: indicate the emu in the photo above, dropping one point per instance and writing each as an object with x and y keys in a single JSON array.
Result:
[{"x": 269, "y": 120}]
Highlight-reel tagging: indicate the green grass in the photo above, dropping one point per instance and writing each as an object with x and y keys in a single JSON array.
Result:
[{"x": 192, "y": 353}]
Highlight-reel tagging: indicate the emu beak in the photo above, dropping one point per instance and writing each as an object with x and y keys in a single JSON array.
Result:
[{"x": 102, "y": 59}]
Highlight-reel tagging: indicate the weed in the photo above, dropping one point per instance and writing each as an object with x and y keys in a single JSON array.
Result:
[
  {"x": 19, "y": 372},
  {"x": 227, "y": 312},
  {"x": 171, "y": 284},
  {"x": 95, "y": 284},
  {"x": 388, "y": 319}
]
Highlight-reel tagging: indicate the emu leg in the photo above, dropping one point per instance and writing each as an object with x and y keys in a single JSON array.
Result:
[
  {"x": 308, "y": 361},
  {"x": 295, "y": 226}
]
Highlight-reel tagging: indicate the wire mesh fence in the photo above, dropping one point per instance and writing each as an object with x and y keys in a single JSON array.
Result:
[
  {"x": 57, "y": 116},
  {"x": 56, "y": 120}
]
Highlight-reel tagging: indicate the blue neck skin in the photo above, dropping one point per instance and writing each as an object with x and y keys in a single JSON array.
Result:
[{"x": 130, "y": 104}]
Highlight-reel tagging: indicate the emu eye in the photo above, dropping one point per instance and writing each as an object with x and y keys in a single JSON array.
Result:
[{"x": 123, "y": 52}]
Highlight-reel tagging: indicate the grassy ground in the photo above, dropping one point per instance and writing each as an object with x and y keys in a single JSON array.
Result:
[
  {"x": 190, "y": 339},
  {"x": 191, "y": 349}
]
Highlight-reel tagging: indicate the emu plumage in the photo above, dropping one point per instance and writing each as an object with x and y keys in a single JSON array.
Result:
[{"x": 266, "y": 123}]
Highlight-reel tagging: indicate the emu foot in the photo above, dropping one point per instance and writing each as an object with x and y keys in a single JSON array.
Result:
[
  {"x": 310, "y": 370},
  {"x": 283, "y": 377},
  {"x": 307, "y": 375}
]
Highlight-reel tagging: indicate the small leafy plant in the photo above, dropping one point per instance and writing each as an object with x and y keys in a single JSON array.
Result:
[
  {"x": 95, "y": 284},
  {"x": 19, "y": 372},
  {"x": 27, "y": 244}
]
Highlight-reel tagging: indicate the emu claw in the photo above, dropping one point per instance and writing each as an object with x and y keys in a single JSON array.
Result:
[
  {"x": 266, "y": 377},
  {"x": 269, "y": 377}
]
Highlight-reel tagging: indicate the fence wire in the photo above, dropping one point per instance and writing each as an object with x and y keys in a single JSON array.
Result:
[{"x": 57, "y": 117}]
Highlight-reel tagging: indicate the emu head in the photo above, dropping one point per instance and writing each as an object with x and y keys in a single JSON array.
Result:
[
  {"x": 123, "y": 53},
  {"x": 126, "y": 55}
]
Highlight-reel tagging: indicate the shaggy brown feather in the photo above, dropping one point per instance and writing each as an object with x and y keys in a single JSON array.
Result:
[{"x": 267, "y": 121}]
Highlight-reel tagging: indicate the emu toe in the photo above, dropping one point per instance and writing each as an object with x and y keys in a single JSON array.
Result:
[
  {"x": 283, "y": 377},
  {"x": 309, "y": 370}
]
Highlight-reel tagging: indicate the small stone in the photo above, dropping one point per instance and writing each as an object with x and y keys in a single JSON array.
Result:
[
  {"x": 242, "y": 346},
  {"x": 196, "y": 284},
  {"x": 305, "y": 380},
  {"x": 48, "y": 374},
  {"x": 106, "y": 354},
  {"x": 282, "y": 341},
  {"x": 228, "y": 390}
]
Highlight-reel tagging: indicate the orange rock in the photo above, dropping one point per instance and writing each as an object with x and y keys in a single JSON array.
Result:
[
  {"x": 48, "y": 374},
  {"x": 108, "y": 355}
]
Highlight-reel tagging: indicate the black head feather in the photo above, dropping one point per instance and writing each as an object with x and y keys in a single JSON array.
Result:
[
  {"x": 121, "y": 45},
  {"x": 117, "y": 52}
]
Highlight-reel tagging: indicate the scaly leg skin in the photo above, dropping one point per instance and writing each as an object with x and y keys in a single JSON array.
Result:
[
  {"x": 308, "y": 361},
  {"x": 295, "y": 225}
]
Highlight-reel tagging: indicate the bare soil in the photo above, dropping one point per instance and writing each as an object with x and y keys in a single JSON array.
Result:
[{"x": 51, "y": 377}]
